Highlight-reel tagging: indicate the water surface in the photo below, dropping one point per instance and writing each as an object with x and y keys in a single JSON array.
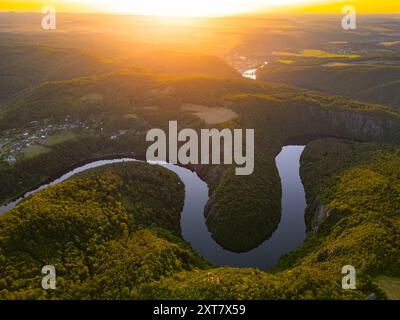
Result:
[{"x": 290, "y": 233}]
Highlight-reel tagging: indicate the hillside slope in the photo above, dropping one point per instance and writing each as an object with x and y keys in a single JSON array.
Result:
[
  {"x": 23, "y": 67},
  {"x": 116, "y": 110},
  {"x": 376, "y": 84}
]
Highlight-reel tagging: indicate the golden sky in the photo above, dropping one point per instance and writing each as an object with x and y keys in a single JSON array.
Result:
[{"x": 202, "y": 7}]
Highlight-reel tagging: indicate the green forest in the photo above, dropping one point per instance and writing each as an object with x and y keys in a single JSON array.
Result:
[{"x": 114, "y": 232}]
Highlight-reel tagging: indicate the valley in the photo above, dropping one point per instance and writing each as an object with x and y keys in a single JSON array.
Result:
[{"x": 324, "y": 192}]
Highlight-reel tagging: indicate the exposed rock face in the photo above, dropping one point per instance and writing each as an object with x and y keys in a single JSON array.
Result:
[
  {"x": 357, "y": 124},
  {"x": 320, "y": 215}
]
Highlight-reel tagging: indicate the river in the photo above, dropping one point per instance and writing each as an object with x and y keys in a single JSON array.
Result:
[
  {"x": 290, "y": 233},
  {"x": 252, "y": 73}
]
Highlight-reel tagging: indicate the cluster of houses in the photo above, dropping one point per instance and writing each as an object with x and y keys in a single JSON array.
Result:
[
  {"x": 242, "y": 63},
  {"x": 14, "y": 141}
]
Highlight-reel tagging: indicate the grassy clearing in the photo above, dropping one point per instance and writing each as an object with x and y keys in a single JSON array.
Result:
[
  {"x": 337, "y": 64},
  {"x": 59, "y": 138},
  {"x": 390, "y": 44},
  {"x": 92, "y": 97},
  {"x": 210, "y": 115},
  {"x": 131, "y": 116},
  {"x": 311, "y": 53},
  {"x": 390, "y": 285},
  {"x": 284, "y": 61},
  {"x": 34, "y": 151}
]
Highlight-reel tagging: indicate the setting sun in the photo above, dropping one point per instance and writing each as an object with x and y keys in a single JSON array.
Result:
[
  {"x": 191, "y": 8},
  {"x": 199, "y": 150},
  {"x": 195, "y": 8}
]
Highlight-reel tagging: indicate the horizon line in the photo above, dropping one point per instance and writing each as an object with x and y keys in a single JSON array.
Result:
[{"x": 245, "y": 14}]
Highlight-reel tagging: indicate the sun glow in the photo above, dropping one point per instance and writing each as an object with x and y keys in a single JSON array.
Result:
[
  {"x": 183, "y": 8},
  {"x": 193, "y": 8},
  {"x": 188, "y": 8}
]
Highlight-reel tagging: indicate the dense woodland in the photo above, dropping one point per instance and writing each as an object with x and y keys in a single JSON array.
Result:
[
  {"x": 117, "y": 223},
  {"x": 114, "y": 232},
  {"x": 370, "y": 83},
  {"x": 277, "y": 112}
]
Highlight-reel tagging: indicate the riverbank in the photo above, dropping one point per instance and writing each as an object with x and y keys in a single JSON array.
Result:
[{"x": 289, "y": 234}]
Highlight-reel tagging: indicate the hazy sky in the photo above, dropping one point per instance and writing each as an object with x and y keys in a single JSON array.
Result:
[{"x": 200, "y": 7}]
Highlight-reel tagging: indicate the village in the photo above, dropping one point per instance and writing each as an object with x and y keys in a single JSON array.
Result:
[{"x": 40, "y": 135}]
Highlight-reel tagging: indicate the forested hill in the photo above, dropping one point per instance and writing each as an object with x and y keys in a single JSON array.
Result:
[
  {"x": 25, "y": 66},
  {"x": 376, "y": 84},
  {"x": 185, "y": 63},
  {"x": 106, "y": 231},
  {"x": 110, "y": 114},
  {"x": 113, "y": 233}
]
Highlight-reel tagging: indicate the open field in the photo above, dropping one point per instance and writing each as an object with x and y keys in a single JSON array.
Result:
[
  {"x": 35, "y": 151},
  {"x": 60, "y": 137},
  {"x": 311, "y": 53},
  {"x": 92, "y": 90},
  {"x": 390, "y": 285},
  {"x": 210, "y": 115}
]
